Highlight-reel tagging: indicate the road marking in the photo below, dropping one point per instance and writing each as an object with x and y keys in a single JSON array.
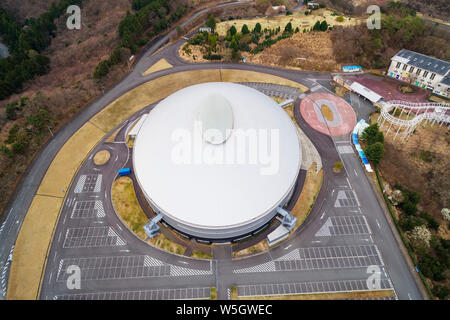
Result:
[
  {"x": 321, "y": 217},
  {"x": 316, "y": 241},
  {"x": 119, "y": 227},
  {"x": 409, "y": 296},
  {"x": 183, "y": 262},
  {"x": 378, "y": 223},
  {"x": 288, "y": 247},
  {"x": 355, "y": 172}
]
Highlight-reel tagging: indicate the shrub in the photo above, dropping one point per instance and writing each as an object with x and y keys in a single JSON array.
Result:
[
  {"x": 408, "y": 207},
  {"x": 431, "y": 267},
  {"x": 245, "y": 29},
  {"x": 408, "y": 223},
  {"x": 445, "y": 214},
  {"x": 338, "y": 166},
  {"x": 431, "y": 222},
  {"x": 340, "y": 19},
  {"x": 441, "y": 291},
  {"x": 19, "y": 147},
  {"x": 421, "y": 234},
  {"x": 101, "y": 70},
  {"x": 375, "y": 152},
  {"x": 257, "y": 28},
  {"x": 372, "y": 134},
  {"x": 6, "y": 151}
]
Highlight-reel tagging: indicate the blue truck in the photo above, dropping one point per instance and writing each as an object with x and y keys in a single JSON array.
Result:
[{"x": 124, "y": 171}]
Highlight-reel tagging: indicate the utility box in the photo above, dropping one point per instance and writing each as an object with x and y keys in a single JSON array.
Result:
[{"x": 124, "y": 171}]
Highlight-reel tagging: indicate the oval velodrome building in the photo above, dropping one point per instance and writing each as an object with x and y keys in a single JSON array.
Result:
[{"x": 216, "y": 160}]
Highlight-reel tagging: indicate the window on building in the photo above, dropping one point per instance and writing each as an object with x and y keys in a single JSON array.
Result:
[
  {"x": 411, "y": 69},
  {"x": 404, "y": 67},
  {"x": 425, "y": 73},
  {"x": 432, "y": 76},
  {"x": 398, "y": 65},
  {"x": 418, "y": 72}
]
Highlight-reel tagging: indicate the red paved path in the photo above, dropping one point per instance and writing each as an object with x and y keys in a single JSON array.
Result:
[{"x": 345, "y": 111}]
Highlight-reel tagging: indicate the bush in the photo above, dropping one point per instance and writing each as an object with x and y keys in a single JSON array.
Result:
[
  {"x": 375, "y": 152},
  {"x": 257, "y": 28},
  {"x": 441, "y": 291},
  {"x": 431, "y": 222},
  {"x": 372, "y": 134},
  {"x": 408, "y": 207},
  {"x": 19, "y": 147},
  {"x": 245, "y": 29},
  {"x": 6, "y": 151},
  {"x": 408, "y": 223},
  {"x": 101, "y": 70},
  {"x": 338, "y": 166},
  {"x": 431, "y": 267},
  {"x": 340, "y": 19},
  {"x": 210, "y": 56}
]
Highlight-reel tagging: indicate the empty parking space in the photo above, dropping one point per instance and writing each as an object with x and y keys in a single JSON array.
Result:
[
  {"x": 346, "y": 198},
  {"x": 156, "y": 294},
  {"x": 92, "y": 237},
  {"x": 319, "y": 258},
  {"x": 276, "y": 289},
  {"x": 343, "y": 226},
  {"x": 88, "y": 209},
  {"x": 89, "y": 183}
]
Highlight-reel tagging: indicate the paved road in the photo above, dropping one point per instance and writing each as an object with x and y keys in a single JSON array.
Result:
[{"x": 345, "y": 233}]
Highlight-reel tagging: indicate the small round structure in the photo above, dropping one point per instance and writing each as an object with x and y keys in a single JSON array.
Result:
[{"x": 217, "y": 160}]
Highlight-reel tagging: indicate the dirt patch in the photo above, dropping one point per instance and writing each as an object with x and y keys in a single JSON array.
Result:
[
  {"x": 310, "y": 51},
  {"x": 259, "y": 247},
  {"x": 102, "y": 157}
]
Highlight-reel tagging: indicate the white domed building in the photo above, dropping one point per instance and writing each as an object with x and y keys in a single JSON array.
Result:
[{"x": 217, "y": 161}]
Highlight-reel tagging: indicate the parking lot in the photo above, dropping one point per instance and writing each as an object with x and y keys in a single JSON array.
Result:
[
  {"x": 157, "y": 294},
  {"x": 276, "y": 289}
]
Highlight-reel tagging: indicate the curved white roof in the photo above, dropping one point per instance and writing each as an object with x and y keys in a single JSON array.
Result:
[{"x": 193, "y": 188}]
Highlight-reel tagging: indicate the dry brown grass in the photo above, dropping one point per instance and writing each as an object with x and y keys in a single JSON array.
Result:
[
  {"x": 127, "y": 206},
  {"x": 158, "y": 66},
  {"x": 201, "y": 255},
  {"x": 64, "y": 166},
  {"x": 164, "y": 243},
  {"x": 259, "y": 247},
  {"x": 102, "y": 157},
  {"x": 327, "y": 113},
  {"x": 297, "y": 20},
  {"x": 147, "y": 93},
  {"x": 307, "y": 197},
  {"x": 402, "y": 159},
  {"x": 316, "y": 47},
  {"x": 31, "y": 248}
]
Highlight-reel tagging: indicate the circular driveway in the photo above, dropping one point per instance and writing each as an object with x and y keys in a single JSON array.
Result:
[{"x": 328, "y": 114}]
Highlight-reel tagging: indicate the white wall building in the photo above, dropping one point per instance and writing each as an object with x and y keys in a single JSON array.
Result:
[
  {"x": 422, "y": 71},
  {"x": 213, "y": 182}
]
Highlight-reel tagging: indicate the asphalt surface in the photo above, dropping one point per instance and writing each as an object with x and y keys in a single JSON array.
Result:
[{"x": 345, "y": 232}]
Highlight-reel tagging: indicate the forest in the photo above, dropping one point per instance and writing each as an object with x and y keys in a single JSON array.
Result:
[{"x": 26, "y": 43}]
